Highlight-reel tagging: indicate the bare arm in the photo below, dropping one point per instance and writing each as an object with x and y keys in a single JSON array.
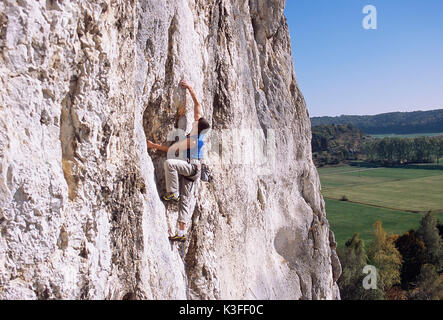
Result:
[
  {"x": 181, "y": 145},
  {"x": 152, "y": 145},
  {"x": 198, "y": 112}
]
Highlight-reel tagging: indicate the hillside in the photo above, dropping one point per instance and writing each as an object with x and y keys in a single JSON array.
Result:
[
  {"x": 332, "y": 144},
  {"x": 393, "y": 122}
]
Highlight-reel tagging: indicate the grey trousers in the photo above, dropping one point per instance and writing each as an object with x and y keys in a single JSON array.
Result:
[{"x": 175, "y": 172}]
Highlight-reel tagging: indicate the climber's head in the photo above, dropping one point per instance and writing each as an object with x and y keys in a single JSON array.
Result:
[{"x": 203, "y": 124}]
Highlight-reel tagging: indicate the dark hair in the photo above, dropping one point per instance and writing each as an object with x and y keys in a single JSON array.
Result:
[{"x": 203, "y": 124}]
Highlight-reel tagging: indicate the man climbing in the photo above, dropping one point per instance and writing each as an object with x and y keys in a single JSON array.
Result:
[{"x": 181, "y": 174}]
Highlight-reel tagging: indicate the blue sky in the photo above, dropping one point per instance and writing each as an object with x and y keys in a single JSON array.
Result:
[{"x": 342, "y": 68}]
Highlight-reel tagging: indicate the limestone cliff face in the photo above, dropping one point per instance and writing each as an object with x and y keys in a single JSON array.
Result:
[{"x": 84, "y": 83}]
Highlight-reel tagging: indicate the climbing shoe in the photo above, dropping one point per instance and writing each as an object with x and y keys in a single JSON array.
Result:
[
  {"x": 171, "y": 196},
  {"x": 177, "y": 238}
]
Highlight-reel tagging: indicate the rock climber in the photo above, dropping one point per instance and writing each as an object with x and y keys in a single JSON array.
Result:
[{"x": 182, "y": 174}]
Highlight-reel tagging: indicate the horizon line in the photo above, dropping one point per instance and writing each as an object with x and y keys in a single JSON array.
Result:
[{"x": 375, "y": 114}]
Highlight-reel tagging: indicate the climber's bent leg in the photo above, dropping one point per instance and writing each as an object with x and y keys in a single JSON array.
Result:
[
  {"x": 171, "y": 177},
  {"x": 174, "y": 168}
]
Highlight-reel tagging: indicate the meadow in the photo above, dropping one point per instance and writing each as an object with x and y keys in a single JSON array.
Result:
[{"x": 396, "y": 196}]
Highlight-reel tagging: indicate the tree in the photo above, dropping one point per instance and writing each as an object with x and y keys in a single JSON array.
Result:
[
  {"x": 400, "y": 148},
  {"x": 440, "y": 229},
  {"x": 440, "y": 149},
  {"x": 429, "y": 233},
  {"x": 412, "y": 250},
  {"x": 434, "y": 146},
  {"x": 404, "y": 150},
  {"x": 423, "y": 148},
  {"x": 430, "y": 284},
  {"x": 369, "y": 150},
  {"x": 353, "y": 259},
  {"x": 383, "y": 254}
]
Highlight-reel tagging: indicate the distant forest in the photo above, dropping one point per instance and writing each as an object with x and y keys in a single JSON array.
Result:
[
  {"x": 394, "y": 122},
  {"x": 335, "y": 144}
]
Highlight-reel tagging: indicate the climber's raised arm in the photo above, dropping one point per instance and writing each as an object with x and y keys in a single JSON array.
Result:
[{"x": 198, "y": 112}]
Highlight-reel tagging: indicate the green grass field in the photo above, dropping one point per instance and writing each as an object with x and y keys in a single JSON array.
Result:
[
  {"x": 396, "y": 196},
  {"x": 394, "y": 188},
  {"x": 347, "y": 218}
]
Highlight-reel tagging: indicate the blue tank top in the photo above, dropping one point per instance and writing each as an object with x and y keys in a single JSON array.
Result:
[{"x": 197, "y": 151}]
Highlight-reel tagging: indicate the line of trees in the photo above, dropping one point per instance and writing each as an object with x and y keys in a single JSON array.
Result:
[
  {"x": 393, "y": 122},
  {"x": 408, "y": 266},
  {"x": 404, "y": 150}
]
